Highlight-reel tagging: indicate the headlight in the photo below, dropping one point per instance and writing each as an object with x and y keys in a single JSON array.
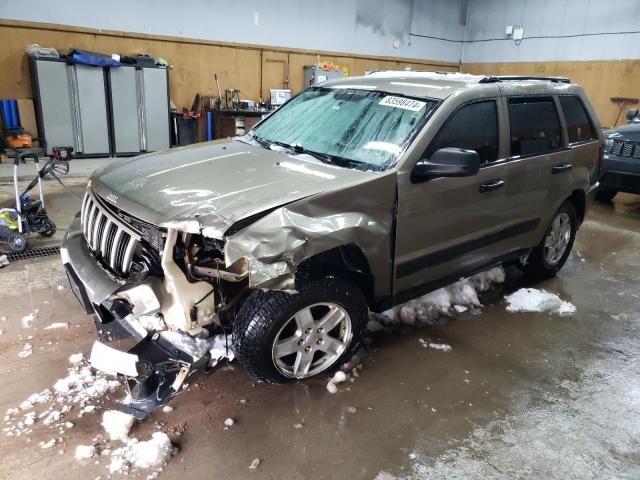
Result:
[{"x": 608, "y": 145}]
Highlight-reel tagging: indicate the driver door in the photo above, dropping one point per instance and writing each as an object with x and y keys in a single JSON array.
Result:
[{"x": 449, "y": 226}]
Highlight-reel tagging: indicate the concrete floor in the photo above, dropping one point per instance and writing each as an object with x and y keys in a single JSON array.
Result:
[{"x": 547, "y": 397}]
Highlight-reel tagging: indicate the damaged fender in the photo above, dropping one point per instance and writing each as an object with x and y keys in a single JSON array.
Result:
[{"x": 276, "y": 244}]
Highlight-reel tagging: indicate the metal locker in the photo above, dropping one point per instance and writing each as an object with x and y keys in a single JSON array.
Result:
[
  {"x": 155, "y": 111},
  {"x": 54, "y": 107},
  {"x": 124, "y": 110},
  {"x": 92, "y": 125}
]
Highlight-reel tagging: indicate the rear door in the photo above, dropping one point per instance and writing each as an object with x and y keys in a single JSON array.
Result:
[{"x": 541, "y": 160}]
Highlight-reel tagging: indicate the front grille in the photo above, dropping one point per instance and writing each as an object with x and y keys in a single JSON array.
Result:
[
  {"x": 626, "y": 149},
  {"x": 108, "y": 237}
]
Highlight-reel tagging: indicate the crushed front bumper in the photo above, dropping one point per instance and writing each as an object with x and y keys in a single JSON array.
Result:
[{"x": 158, "y": 368}]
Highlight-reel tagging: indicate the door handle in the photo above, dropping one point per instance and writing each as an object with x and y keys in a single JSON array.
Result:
[
  {"x": 492, "y": 185},
  {"x": 563, "y": 167}
]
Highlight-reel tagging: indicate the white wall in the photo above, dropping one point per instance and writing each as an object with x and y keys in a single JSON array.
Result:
[
  {"x": 551, "y": 19},
  {"x": 353, "y": 26}
]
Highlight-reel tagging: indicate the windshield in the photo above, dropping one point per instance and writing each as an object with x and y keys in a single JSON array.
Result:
[{"x": 368, "y": 129}]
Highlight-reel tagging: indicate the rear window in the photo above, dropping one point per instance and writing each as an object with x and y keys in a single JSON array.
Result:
[
  {"x": 535, "y": 126},
  {"x": 579, "y": 128}
]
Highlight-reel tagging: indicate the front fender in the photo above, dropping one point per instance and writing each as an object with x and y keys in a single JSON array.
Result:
[{"x": 361, "y": 214}]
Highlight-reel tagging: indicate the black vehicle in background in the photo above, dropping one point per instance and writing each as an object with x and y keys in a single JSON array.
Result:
[{"x": 621, "y": 165}]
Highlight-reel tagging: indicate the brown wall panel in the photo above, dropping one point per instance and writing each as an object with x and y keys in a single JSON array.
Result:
[
  {"x": 249, "y": 68},
  {"x": 600, "y": 79}
]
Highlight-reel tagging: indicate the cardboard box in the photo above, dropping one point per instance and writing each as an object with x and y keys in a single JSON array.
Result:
[{"x": 28, "y": 116}]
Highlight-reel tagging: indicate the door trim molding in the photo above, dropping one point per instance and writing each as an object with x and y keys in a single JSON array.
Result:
[{"x": 410, "y": 267}]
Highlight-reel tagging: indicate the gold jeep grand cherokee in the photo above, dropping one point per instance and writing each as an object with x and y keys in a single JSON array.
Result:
[{"x": 356, "y": 195}]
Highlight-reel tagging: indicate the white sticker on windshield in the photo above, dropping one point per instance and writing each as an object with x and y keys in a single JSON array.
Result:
[{"x": 401, "y": 102}]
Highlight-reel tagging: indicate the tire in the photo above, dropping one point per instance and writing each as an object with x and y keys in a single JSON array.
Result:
[
  {"x": 269, "y": 316},
  {"x": 541, "y": 263},
  {"x": 49, "y": 230},
  {"x": 605, "y": 195},
  {"x": 18, "y": 243}
]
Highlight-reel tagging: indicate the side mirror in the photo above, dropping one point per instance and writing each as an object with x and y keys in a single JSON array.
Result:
[
  {"x": 447, "y": 162},
  {"x": 632, "y": 113}
]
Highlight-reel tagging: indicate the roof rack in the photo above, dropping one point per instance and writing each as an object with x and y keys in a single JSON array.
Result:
[{"x": 506, "y": 78}]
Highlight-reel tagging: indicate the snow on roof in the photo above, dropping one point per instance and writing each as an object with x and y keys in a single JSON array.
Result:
[{"x": 412, "y": 74}]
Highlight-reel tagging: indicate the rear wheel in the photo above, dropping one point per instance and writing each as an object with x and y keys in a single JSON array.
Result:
[
  {"x": 605, "y": 195},
  {"x": 17, "y": 242},
  {"x": 280, "y": 337},
  {"x": 550, "y": 255}
]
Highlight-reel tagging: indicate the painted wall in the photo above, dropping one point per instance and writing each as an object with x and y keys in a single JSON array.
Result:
[
  {"x": 563, "y": 30},
  {"x": 369, "y": 27}
]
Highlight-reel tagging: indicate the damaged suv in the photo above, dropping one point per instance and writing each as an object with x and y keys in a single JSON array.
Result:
[{"x": 356, "y": 195}]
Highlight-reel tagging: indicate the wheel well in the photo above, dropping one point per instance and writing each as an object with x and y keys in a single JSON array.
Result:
[
  {"x": 579, "y": 200},
  {"x": 347, "y": 262}
]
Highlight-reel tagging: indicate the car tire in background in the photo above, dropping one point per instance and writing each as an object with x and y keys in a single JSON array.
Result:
[
  {"x": 280, "y": 337},
  {"x": 605, "y": 195},
  {"x": 550, "y": 255}
]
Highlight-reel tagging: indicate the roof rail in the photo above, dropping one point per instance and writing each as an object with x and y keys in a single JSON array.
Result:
[{"x": 506, "y": 78}]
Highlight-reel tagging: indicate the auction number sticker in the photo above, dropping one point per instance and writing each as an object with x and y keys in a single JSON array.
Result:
[{"x": 402, "y": 102}]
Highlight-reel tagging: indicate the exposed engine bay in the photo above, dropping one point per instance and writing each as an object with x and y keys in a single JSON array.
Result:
[{"x": 174, "y": 296}]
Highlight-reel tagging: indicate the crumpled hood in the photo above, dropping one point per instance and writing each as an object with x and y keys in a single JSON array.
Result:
[
  {"x": 219, "y": 183},
  {"x": 629, "y": 132}
]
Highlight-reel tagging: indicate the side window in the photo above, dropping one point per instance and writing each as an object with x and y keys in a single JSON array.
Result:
[
  {"x": 535, "y": 125},
  {"x": 579, "y": 126},
  {"x": 473, "y": 127}
]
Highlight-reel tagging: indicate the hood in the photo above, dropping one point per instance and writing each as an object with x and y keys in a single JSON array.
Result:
[
  {"x": 215, "y": 184},
  {"x": 630, "y": 132}
]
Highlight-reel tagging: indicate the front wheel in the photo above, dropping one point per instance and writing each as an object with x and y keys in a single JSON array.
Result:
[
  {"x": 17, "y": 242},
  {"x": 551, "y": 254},
  {"x": 279, "y": 337}
]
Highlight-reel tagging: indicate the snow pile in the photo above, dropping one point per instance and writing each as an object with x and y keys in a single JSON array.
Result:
[
  {"x": 81, "y": 390},
  {"x": 198, "y": 347},
  {"x": 137, "y": 454},
  {"x": 117, "y": 424},
  {"x": 57, "y": 325},
  {"x": 535, "y": 300},
  {"x": 4, "y": 261},
  {"x": 444, "y": 302}
]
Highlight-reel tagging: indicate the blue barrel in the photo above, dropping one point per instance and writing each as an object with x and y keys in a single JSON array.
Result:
[
  {"x": 10, "y": 114},
  {"x": 209, "y": 126}
]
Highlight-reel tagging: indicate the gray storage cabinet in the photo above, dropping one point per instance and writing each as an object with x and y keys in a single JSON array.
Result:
[
  {"x": 139, "y": 109},
  {"x": 71, "y": 106},
  {"x": 314, "y": 75}
]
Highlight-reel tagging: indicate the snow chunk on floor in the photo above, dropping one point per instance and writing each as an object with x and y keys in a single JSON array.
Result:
[
  {"x": 117, "y": 424},
  {"x": 27, "y": 320},
  {"x": 57, "y": 325},
  {"x": 4, "y": 261},
  {"x": 84, "y": 452},
  {"x": 152, "y": 453},
  {"x": 339, "y": 377},
  {"x": 331, "y": 387},
  {"x": 229, "y": 422},
  {"x": 26, "y": 351},
  {"x": 76, "y": 358},
  {"x": 536, "y": 300},
  {"x": 443, "y": 347}
]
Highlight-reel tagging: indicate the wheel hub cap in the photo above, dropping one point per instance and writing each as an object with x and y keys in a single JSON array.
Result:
[
  {"x": 312, "y": 340},
  {"x": 557, "y": 239}
]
